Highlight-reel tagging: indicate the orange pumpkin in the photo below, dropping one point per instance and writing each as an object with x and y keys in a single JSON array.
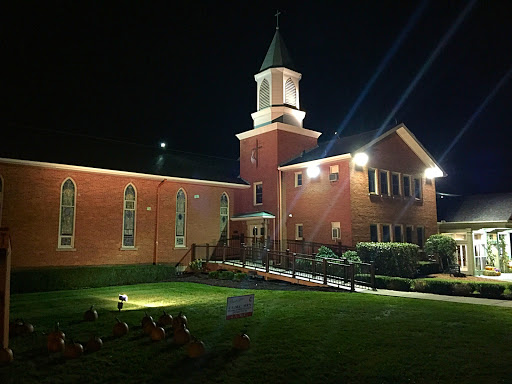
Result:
[
  {"x": 57, "y": 333},
  {"x": 148, "y": 327},
  {"x": 6, "y": 356},
  {"x": 181, "y": 335},
  {"x": 146, "y": 319},
  {"x": 157, "y": 334},
  {"x": 241, "y": 342},
  {"x": 91, "y": 314},
  {"x": 196, "y": 349},
  {"x": 55, "y": 344},
  {"x": 94, "y": 344},
  {"x": 73, "y": 350},
  {"x": 120, "y": 328},
  {"x": 179, "y": 320},
  {"x": 164, "y": 320}
]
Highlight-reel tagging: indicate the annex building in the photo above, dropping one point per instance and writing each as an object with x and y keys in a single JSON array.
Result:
[{"x": 101, "y": 202}]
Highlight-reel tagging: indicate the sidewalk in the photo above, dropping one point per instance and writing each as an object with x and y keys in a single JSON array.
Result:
[{"x": 431, "y": 296}]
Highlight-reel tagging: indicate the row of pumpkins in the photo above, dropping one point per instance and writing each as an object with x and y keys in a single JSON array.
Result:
[{"x": 156, "y": 330}]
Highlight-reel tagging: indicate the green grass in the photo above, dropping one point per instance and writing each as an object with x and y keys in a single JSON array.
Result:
[{"x": 296, "y": 337}]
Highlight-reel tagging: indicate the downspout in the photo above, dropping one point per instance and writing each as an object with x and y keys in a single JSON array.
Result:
[
  {"x": 156, "y": 220},
  {"x": 280, "y": 211}
]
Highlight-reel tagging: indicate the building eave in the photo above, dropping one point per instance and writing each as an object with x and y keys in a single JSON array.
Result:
[{"x": 346, "y": 156}]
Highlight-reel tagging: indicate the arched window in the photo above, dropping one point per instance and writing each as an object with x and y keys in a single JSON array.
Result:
[
  {"x": 67, "y": 214},
  {"x": 264, "y": 94},
  {"x": 224, "y": 217},
  {"x": 130, "y": 205},
  {"x": 290, "y": 96},
  {"x": 181, "y": 211},
  {"x": 1, "y": 197}
]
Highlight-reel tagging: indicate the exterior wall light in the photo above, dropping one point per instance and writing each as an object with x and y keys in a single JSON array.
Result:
[
  {"x": 162, "y": 145},
  {"x": 431, "y": 173},
  {"x": 313, "y": 171},
  {"x": 361, "y": 159}
]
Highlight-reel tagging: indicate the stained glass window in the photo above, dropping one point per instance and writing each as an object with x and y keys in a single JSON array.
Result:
[
  {"x": 67, "y": 214},
  {"x": 224, "y": 216},
  {"x": 130, "y": 200},
  {"x": 181, "y": 208}
]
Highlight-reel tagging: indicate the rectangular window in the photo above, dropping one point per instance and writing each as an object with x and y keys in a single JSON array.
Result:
[
  {"x": 372, "y": 181},
  {"x": 386, "y": 233},
  {"x": 408, "y": 234},
  {"x": 395, "y": 184},
  {"x": 335, "y": 230},
  {"x": 258, "y": 193},
  {"x": 384, "y": 182},
  {"x": 407, "y": 185},
  {"x": 417, "y": 188},
  {"x": 374, "y": 234},
  {"x": 298, "y": 179},
  {"x": 420, "y": 233},
  {"x": 398, "y": 234},
  {"x": 299, "y": 234},
  {"x": 334, "y": 172}
]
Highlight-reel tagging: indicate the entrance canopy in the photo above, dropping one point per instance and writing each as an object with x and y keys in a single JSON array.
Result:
[{"x": 252, "y": 216}]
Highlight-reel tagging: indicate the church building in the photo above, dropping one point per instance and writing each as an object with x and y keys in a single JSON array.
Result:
[{"x": 102, "y": 202}]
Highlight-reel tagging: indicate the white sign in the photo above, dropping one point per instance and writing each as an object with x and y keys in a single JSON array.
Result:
[{"x": 239, "y": 306}]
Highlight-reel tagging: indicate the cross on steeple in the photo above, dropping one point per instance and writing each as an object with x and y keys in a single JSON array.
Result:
[{"x": 277, "y": 17}]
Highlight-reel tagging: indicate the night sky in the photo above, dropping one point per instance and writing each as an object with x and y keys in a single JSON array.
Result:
[{"x": 149, "y": 71}]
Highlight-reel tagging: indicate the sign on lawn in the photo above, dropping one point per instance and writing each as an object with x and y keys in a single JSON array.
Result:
[{"x": 239, "y": 306}]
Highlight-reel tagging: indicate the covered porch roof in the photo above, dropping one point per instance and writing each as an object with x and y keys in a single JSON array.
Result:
[{"x": 252, "y": 215}]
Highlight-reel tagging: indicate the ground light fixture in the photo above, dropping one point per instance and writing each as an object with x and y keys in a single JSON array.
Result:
[
  {"x": 361, "y": 159},
  {"x": 313, "y": 171},
  {"x": 433, "y": 172},
  {"x": 122, "y": 299}
]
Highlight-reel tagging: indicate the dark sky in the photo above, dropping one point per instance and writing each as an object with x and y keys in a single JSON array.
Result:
[{"x": 147, "y": 71}]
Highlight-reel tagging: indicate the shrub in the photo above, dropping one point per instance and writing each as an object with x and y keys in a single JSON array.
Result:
[
  {"x": 439, "y": 287},
  {"x": 196, "y": 265},
  {"x": 441, "y": 246},
  {"x": 463, "y": 289},
  {"x": 491, "y": 290},
  {"x": 507, "y": 293},
  {"x": 323, "y": 251},
  {"x": 352, "y": 256},
  {"x": 240, "y": 276},
  {"x": 213, "y": 274},
  {"x": 226, "y": 275},
  {"x": 390, "y": 259},
  {"x": 426, "y": 268},
  {"x": 393, "y": 283}
]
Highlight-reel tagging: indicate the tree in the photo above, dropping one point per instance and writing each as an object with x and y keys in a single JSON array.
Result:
[{"x": 443, "y": 248}]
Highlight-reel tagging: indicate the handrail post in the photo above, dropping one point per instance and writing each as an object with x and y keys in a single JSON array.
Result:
[
  {"x": 287, "y": 259},
  {"x": 267, "y": 260},
  {"x": 223, "y": 254},
  {"x": 325, "y": 271},
  {"x": 352, "y": 278},
  {"x": 193, "y": 254},
  {"x": 293, "y": 265},
  {"x": 242, "y": 254},
  {"x": 372, "y": 276},
  {"x": 207, "y": 251}
]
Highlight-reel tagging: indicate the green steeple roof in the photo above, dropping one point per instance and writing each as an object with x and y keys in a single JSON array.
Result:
[{"x": 277, "y": 54}]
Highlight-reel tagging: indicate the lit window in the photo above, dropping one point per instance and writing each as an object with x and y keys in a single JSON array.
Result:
[
  {"x": 290, "y": 96},
  {"x": 334, "y": 172},
  {"x": 417, "y": 188},
  {"x": 408, "y": 234},
  {"x": 336, "y": 230},
  {"x": 407, "y": 185},
  {"x": 67, "y": 214},
  {"x": 372, "y": 181},
  {"x": 395, "y": 184},
  {"x": 299, "y": 235},
  {"x": 384, "y": 182},
  {"x": 258, "y": 193},
  {"x": 181, "y": 211},
  {"x": 224, "y": 216},
  {"x": 398, "y": 234},
  {"x": 386, "y": 233},
  {"x": 130, "y": 203},
  {"x": 264, "y": 94},
  {"x": 420, "y": 233},
  {"x": 298, "y": 179},
  {"x": 374, "y": 234}
]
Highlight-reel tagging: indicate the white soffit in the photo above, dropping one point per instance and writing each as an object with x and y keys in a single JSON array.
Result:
[{"x": 278, "y": 126}]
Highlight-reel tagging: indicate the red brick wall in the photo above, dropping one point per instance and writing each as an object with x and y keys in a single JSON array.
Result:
[
  {"x": 391, "y": 154},
  {"x": 31, "y": 211}
]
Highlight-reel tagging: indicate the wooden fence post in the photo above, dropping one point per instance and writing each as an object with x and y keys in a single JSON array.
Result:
[
  {"x": 325, "y": 271},
  {"x": 352, "y": 278},
  {"x": 193, "y": 253},
  {"x": 372, "y": 276},
  {"x": 293, "y": 265},
  {"x": 267, "y": 260}
]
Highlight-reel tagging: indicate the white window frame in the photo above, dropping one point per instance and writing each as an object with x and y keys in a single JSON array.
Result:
[
  {"x": 401, "y": 240},
  {"x": 181, "y": 240},
  {"x": 134, "y": 209},
  {"x": 335, "y": 230},
  {"x": 72, "y": 236},
  {"x": 254, "y": 192},
  {"x": 410, "y": 186},
  {"x": 399, "y": 184},
  {"x": 381, "y": 171},
  {"x": 224, "y": 212},
  {"x": 297, "y": 226},
  {"x": 297, "y": 184},
  {"x": 375, "y": 181},
  {"x": 2, "y": 188},
  {"x": 420, "y": 188},
  {"x": 334, "y": 170}
]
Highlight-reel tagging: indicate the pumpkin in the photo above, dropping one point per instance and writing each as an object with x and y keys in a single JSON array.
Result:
[
  {"x": 181, "y": 335},
  {"x": 164, "y": 320},
  {"x": 91, "y": 314},
  {"x": 196, "y": 349},
  {"x": 148, "y": 327},
  {"x": 21, "y": 327},
  {"x": 157, "y": 334},
  {"x": 6, "y": 356},
  {"x": 94, "y": 344},
  {"x": 120, "y": 328},
  {"x": 179, "y": 320},
  {"x": 73, "y": 350},
  {"x": 55, "y": 344},
  {"x": 57, "y": 333},
  {"x": 146, "y": 319},
  {"x": 241, "y": 342}
]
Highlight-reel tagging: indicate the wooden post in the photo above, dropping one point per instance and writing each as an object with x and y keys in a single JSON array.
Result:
[
  {"x": 287, "y": 259},
  {"x": 193, "y": 253},
  {"x": 313, "y": 266},
  {"x": 293, "y": 265},
  {"x": 5, "y": 285},
  {"x": 242, "y": 255},
  {"x": 372, "y": 277},
  {"x": 352, "y": 278},
  {"x": 207, "y": 251},
  {"x": 223, "y": 254},
  {"x": 325, "y": 271},
  {"x": 267, "y": 260},
  {"x": 339, "y": 249}
]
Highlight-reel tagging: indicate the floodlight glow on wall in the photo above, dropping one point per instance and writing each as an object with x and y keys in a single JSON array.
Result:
[
  {"x": 431, "y": 173},
  {"x": 361, "y": 159},
  {"x": 313, "y": 171}
]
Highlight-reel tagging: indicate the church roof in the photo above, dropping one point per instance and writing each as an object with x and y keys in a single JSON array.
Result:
[
  {"x": 82, "y": 150},
  {"x": 277, "y": 54},
  {"x": 491, "y": 207}
]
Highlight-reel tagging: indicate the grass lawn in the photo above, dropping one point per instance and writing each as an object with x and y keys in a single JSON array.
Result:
[{"x": 296, "y": 337}]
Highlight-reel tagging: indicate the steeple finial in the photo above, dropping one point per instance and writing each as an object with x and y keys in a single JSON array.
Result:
[{"x": 277, "y": 18}]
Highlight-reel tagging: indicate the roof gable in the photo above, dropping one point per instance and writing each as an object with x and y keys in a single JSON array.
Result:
[{"x": 492, "y": 207}]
